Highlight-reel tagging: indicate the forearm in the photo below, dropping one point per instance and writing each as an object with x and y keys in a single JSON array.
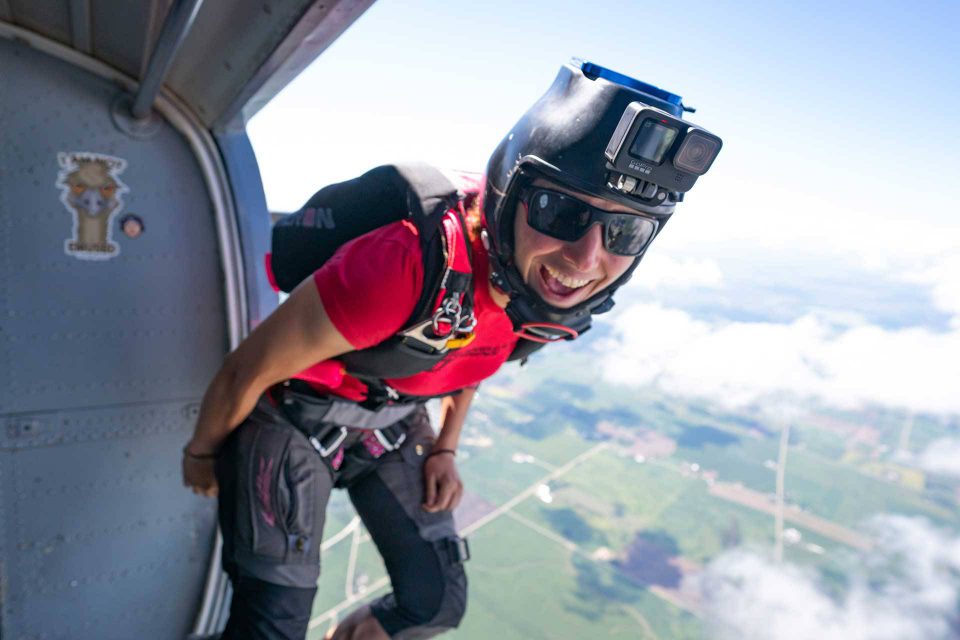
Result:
[
  {"x": 453, "y": 413},
  {"x": 295, "y": 336},
  {"x": 228, "y": 401},
  {"x": 442, "y": 485}
]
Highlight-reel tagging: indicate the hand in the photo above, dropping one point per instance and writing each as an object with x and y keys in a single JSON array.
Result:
[
  {"x": 198, "y": 474},
  {"x": 442, "y": 486}
]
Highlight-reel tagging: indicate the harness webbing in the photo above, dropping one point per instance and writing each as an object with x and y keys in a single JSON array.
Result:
[
  {"x": 456, "y": 280},
  {"x": 443, "y": 318}
]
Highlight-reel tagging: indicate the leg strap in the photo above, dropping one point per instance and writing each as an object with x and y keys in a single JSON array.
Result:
[{"x": 453, "y": 550}]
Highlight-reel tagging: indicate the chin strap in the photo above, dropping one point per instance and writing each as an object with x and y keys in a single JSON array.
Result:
[
  {"x": 544, "y": 332},
  {"x": 541, "y": 325},
  {"x": 532, "y": 318}
]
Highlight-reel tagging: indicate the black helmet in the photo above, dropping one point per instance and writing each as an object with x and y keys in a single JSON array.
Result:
[{"x": 566, "y": 137}]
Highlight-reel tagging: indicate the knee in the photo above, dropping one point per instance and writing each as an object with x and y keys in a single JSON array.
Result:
[
  {"x": 454, "y": 606},
  {"x": 453, "y": 553},
  {"x": 443, "y": 609}
]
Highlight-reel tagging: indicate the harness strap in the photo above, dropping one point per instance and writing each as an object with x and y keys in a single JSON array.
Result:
[
  {"x": 452, "y": 551},
  {"x": 328, "y": 443},
  {"x": 380, "y": 394},
  {"x": 381, "y": 441},
  {"x": 452, "y": 320},
  {"x": 329, "y": 440},
  {"x": 458, "y": 271}
]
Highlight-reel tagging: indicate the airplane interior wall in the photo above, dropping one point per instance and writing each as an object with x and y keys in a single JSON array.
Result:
[{"x": 112, "y": 322}]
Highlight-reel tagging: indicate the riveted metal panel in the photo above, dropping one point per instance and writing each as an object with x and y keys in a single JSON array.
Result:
[
  {"x": 7, "y": 514},
  {"x": 103, "y": 359},
  {"x": 223, "y": 59},
  {"x": 237, "y": 56},
  {"x": 124, "y": 33},
  {"x": 96, "y": 523},
  {"x": 80, "y": 25},
  {"x": 49, "y": 17},
  {"x": 146, "y": 322}
]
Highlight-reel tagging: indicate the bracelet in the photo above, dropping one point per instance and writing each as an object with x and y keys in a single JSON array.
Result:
[
  {"x": 439, "y": 451},
  {"x": 198, "y": 456}
]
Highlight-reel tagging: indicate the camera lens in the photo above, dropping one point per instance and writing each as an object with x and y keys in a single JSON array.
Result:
[
  {"x": 697, "y": 153},
  {"x": 652, "y": 141}
]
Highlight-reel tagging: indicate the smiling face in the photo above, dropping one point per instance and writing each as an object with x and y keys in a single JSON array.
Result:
[{"x": 564, "y": 274}]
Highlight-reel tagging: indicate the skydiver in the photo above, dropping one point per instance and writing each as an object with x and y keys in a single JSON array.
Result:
[{"x": 558, "y": 225}]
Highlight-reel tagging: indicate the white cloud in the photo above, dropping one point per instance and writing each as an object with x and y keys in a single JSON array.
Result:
[
  {"x": 868, "y": 229},
  {"x": 905, "y": 589},
  {"x": 738, "y": 363},
  {"x": 662, "y": 271},
  {"x": 943, "y": 277},
  {"x": 941, "y": 456}
]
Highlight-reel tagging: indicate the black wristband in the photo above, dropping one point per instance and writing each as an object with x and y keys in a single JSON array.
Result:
[
  {"x": 439, "y": 451},
  {"x": 198, "y": 456}
]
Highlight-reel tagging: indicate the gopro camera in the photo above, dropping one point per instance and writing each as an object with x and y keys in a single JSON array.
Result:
[{"x": 652, "y": 153}]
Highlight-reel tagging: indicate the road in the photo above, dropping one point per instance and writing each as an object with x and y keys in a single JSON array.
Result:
[
  {"x": 332, "y": 614},
  {"x": 760, "y": 502}
]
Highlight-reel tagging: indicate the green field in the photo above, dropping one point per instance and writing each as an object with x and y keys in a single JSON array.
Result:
[
  {"x": 606, "y": 552},
  {"x": 524, "y": 587}
]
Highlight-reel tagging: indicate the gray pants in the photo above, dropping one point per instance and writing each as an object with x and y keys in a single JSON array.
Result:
[{"x": 274, "y": 489}]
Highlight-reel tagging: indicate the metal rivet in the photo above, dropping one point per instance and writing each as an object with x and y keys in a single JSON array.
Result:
[{"x": 419, "y": 449}]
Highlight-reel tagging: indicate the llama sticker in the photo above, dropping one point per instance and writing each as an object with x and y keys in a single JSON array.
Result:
[{"x": 93, "y": 193}]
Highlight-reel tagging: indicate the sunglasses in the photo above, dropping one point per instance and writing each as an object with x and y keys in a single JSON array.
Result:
[{"x": 566, "y": 218}]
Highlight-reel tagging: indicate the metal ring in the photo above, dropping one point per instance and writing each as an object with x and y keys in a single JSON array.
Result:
[
  {"x": 466, "y": 324},
  {"x": 451, "y": 306}
]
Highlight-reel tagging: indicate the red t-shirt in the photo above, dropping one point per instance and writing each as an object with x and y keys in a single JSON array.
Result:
[{"x": 369, "y": 288}]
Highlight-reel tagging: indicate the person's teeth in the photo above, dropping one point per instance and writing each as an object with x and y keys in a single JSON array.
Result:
[{"x": 565, "y": 281}]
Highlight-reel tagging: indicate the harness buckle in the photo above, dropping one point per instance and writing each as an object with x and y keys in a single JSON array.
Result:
[
  {"x": 455, "y": 549},
  {"x": 462, "y": 549},
  {"x": 466, "y": 324},
  {"x": 329, "y": 445},
  {"x": 448, "y": 313},
  {"x": 385, "y": 442},
  {"x": 418, "y": 334}
]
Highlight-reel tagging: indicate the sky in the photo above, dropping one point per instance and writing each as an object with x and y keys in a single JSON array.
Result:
[
  {"x": 819, "y": 257},
  {"x": 821, "y": 243}
]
